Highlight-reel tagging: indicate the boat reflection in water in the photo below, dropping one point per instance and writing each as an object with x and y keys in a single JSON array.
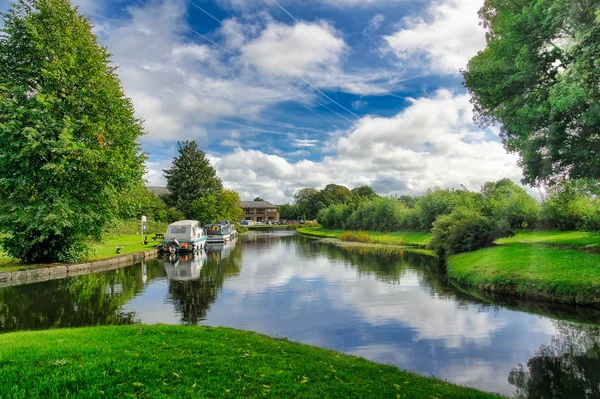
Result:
[
  {"x": 189, "y": 266},
  {"x": 220, "y": 251},
  {"x": 185, "y": 267}
]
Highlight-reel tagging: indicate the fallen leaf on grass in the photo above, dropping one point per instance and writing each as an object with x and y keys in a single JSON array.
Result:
[
  {"x": 176, "y": 375},
  {"x": 266, "y": 386},
  {"x": 138, "y": 384},
  {"x": 397, "y": 386}
]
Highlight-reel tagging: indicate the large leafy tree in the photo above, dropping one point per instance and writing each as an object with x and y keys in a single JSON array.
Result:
[
  {"x": 334, "y": 194},
  {"x": 191, "y": 178},
  {"x": 68, "y": 135},
  {"x": 539, "y": 77},
  {"x": 309, "y": 202}
]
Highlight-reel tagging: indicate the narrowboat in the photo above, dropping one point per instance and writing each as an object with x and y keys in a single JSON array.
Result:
[{"x": 218, "y": 233}]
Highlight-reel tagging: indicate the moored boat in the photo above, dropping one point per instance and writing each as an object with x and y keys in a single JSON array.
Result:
[
  {"x": 184, "y": 236},
  {"x": 218, "y": 233}
]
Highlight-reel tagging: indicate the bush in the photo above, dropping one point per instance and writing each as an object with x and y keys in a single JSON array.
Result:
[
  {"x": 465, "y": 230},
  {"x": 379, "y": 214},
  {"x": 570, "y": 207},
  {"x": 335, "y": 216}
]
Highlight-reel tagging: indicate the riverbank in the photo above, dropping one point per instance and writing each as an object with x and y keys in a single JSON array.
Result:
[
  {"x": 408, "y": 238},
  {"x": 129, "y": 244},
  {"x": 181, "y": 361},
  {"x": 561, "y": 267},
  {"x": 273, "y": 227}
]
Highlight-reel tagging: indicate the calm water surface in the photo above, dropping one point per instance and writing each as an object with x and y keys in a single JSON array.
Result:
[{"x": 388, "y": 307}]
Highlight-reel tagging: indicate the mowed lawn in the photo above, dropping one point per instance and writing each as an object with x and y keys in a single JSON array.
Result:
[
  {"x": 546, "y": 264},
  {"x": 195, "y": 362}
]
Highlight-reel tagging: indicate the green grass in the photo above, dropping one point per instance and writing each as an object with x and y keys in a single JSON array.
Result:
[
  {"x": 531, "y": 270},
  {"x": 412, "y": 238},
  {"x": 575, "y": 239},
  {"x": 107, "y": 249},
  {"x": 195, "y": 362}
]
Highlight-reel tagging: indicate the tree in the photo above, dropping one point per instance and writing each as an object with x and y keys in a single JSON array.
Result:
[
  {"x": 68, "y": 135},
  {"x": 539, "y": 77},
  {"x": 309, "y": 202},
  {"x": 364, "y": 193},
  {"x": 334, "y": 194},
  {"x": 190, "y": 178},
  {"x": 289, "y": 212},
  {"x": 506, "y": 200}
]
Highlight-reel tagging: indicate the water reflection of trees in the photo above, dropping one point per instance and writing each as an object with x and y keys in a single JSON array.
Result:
[
  {"x": 567, "y": 368},
  {"x": 391, "y": 264},
  {"x": 94, "y": 299},
  {"x": 193, "y": 298}
]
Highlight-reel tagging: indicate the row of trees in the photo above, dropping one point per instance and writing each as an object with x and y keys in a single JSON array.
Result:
[
  {"x": 309, "y": 201},
  {"x": 462, "y": 220}
]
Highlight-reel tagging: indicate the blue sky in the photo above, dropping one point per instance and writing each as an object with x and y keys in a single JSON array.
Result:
[{"x": 286, "y": 94}]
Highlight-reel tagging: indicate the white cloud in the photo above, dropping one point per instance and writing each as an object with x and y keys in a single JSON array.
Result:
[
  {"x": 374, "y": 24},
  {"x": 284, "y": 50},
  {"x": 359, "y": 104},
  {"x": 433, "y": 142},
  {"x": 178, "y": 86},
  {"x": 446, "y": 37},
  {"x": 304, "y": 143}
]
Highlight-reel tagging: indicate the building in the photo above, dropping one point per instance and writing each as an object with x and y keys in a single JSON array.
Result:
[{"x": 260, "y": 211}]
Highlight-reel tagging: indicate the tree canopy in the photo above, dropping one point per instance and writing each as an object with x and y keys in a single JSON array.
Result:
[
  {"x": 68, "y": 135},
  {"x": 196, "y": 190},
  {"x": 190, "y": 178},
  {"x": 538, "y": 78}
]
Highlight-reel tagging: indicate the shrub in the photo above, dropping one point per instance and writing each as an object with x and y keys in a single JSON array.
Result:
[{"x": 465, "y": 230}]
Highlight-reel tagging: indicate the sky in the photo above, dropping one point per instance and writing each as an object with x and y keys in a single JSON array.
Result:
[{"x": 287, "y": 94}]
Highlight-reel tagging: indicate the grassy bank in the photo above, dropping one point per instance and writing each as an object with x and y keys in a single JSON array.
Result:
[
  {"x": 396, "y": 238},
  {"x": 556, "y": 266},
  {"x": 108, "y": 249},
  {"x": 185, "y": 362}
]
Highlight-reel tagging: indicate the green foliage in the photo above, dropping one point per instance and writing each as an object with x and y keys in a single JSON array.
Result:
[
  {"x": 464, "y": 230},
  {"x": 334, "y": 194},
  {"x": 309, "y": 202},
  {"x": 379, "y": 214},
  {"x": 290, "y": 212},
  {"x": 569, "y": 206},
  {"x": 190, "y": 179},
  {"x": 143, "y": 202},
  {"x": 210, "y": 208},
  {"x": 68, "y": 135},
  {"x": 538, "y": 77},
  {"x": 364, "y": 193},
  {"x": 336, "y": 216},
  {"x": 439, "y": 202},
  {"x": 507, "y": 201}
]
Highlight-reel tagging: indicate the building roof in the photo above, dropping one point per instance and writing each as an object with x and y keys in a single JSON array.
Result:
[
  {"x": 158, "y": 190},
  {"x": 257, "y": 204}
]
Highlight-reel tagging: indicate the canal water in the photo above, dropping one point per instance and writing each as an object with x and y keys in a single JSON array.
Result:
[{"x": 387, "y": 306}]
